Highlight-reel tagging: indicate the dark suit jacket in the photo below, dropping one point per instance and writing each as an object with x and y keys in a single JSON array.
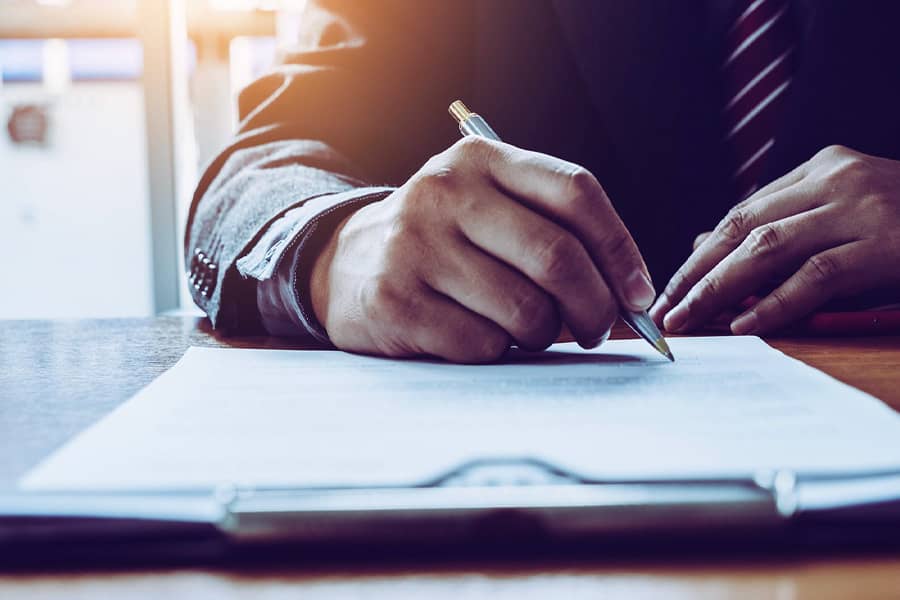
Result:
[{"x": 628, "y": 89}]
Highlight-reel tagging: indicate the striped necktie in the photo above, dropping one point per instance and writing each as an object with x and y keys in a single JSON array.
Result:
[{"x": 757, "y": 72}]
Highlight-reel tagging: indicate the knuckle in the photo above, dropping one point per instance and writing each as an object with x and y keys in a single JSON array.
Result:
[
  {"x": 823, "y": 270},
  {"x": 709, "y": 287},
  {"x": 833, "y": 151},
  {"x": 434, "y": 189},
  {"x": 843, "y": 168},
  {"x": 530, "y": 310},
  {"x": 472, "y": 148},
  {"x": 780, "y": 301},
  {"x": 581, "y": 182},
  {"x": 489, "y": 348},
  {"x": 437, "y": 181},
  {"x": 736, "y": 224},
  {"x": 619, "y": 249},
  {"x": 556, "y": 259},
  {"x": 764, "y": 240},
  {"x": 852, "y": 171}
]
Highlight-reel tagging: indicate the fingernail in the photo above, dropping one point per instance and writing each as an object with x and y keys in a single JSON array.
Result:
[
  {"x": 676, "y": 319},
  {"x": 639, "y": 291},
  {"x": 745, "y": 324}
]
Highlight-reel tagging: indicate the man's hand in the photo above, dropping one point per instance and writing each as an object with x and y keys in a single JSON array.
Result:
[
  {"x": 487, "y": 245},
  {"x": 828, "y": 229}
]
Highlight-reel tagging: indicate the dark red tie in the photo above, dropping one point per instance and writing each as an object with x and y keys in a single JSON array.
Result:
[{"x": 757, "y": 71}]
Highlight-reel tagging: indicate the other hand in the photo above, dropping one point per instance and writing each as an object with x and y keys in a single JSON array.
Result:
[
  {"x": 828, "y": 229},
  {"x": 485, "y": 246}
]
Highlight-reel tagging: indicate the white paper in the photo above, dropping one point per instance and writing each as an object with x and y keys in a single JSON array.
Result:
[{"x": 728, "y": 407}]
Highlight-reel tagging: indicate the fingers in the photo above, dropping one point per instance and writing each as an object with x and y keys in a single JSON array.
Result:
[
  {"x": 664, "y": 304},
  {"x": 729, "y": 234},
  {"x": 772, "y": 248},
  {"x": 447, "y": 330},
  {"x": 572, "y": 196},
  {"x": 549, "y": 256},
  {"x": 783, "y": 182},
  {"x": 676, "y": 287},
  {"x": 701, "y": 238},
  {"x": 835, "y": 272},
  {"x": 410, "y": 319},
  {"x": 492, "y": 289}
]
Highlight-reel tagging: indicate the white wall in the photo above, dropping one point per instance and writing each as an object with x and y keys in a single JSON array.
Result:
[{"x": 74, "y": 228}]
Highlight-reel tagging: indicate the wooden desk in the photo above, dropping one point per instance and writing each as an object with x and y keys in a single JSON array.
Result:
[{"x": 58, "y": 377}]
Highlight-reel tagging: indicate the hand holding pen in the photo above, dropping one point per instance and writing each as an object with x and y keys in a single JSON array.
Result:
[
  {"x": 486, "y": 246},
  {"x": 640, "y": 322}
]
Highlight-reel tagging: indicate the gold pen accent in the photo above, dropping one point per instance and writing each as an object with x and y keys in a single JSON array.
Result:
[
  {"x": 640, "y": 322},
  {"x": 472, "y": 123},
  {"x": 663, "y": 346},
  {"x": 460, "y": 111}
]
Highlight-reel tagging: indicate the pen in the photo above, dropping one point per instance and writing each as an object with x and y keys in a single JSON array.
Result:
[{"x": 473, "y": 124}]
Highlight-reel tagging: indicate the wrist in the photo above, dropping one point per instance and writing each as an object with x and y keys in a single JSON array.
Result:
[{"x": 320, "y": 276}]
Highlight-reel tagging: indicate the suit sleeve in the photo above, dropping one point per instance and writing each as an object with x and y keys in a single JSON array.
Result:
[{"x": 359, "y": 104}]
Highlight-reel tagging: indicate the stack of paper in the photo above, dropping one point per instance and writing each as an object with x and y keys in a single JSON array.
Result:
[{"x": 728, "y": 407}]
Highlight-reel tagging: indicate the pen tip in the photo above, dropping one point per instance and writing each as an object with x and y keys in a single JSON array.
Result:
[{"x": 663, "y": 349}]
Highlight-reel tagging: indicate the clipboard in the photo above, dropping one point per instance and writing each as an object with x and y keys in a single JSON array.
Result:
[{"x": 511, "y": 501}]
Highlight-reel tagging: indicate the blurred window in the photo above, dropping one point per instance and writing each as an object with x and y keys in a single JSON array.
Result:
[
  {"x": 21, "y": 60},
  {"x": 75, "y": 219},
  {"x": 73, "y": 209},
  {"x": 105, "y": 60}
]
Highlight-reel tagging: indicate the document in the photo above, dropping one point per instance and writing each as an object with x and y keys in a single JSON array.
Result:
[{"x": 728, "y": 407}]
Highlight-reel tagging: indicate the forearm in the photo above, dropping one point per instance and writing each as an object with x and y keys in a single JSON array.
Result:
[
  {"x": 355, "y": 104},
  {"x": 232, "y": 211}
]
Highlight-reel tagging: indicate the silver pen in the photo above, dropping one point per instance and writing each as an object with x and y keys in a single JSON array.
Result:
[{"x": 473, "y": 124}]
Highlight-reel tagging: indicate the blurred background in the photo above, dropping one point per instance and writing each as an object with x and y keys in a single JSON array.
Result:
[{"x": 108, "y": 111}]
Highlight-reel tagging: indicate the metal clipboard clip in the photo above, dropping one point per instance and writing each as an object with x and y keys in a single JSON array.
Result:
[
  {"x": 492, "y": 499},
  {"x": 506, "y": 497}
]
